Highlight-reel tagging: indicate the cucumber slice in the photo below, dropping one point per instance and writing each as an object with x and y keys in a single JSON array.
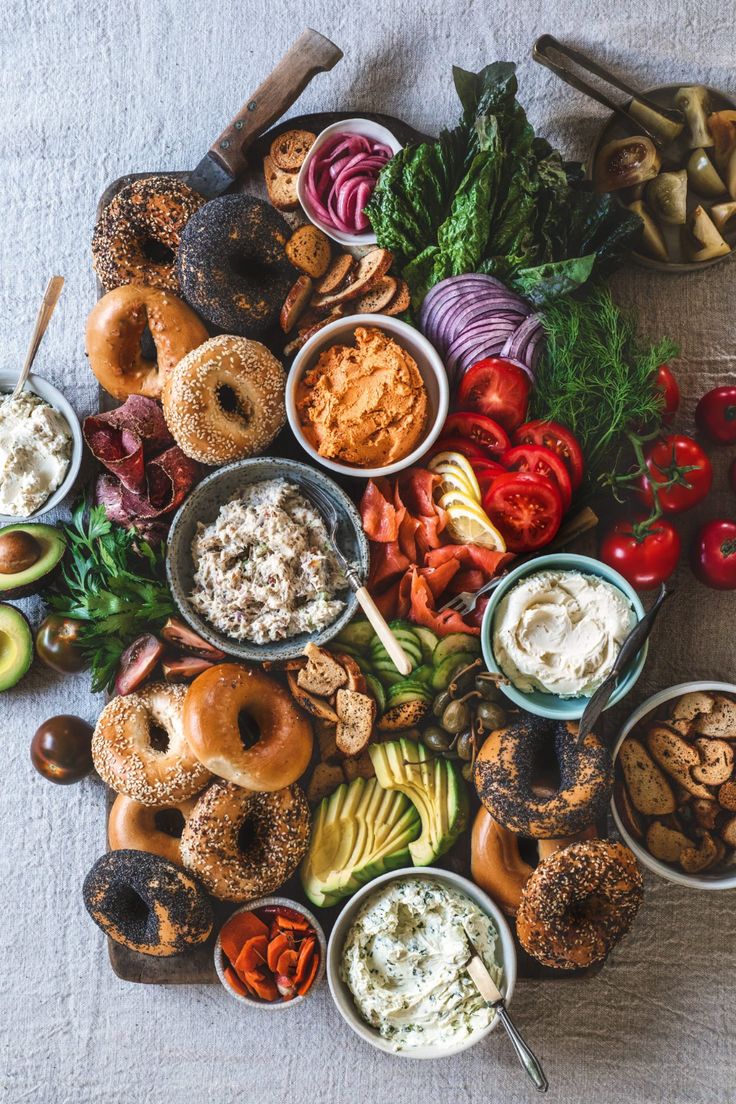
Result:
[
  {"x": 379, "y": 654},
  {"x": 445, "y": 672},
  {"x": 413, "y": 689},
  {"x": 375, "y": 687},
  {"x": 358, "y": 634},
  {"x": 455, "y": 642},
  {"x": 423, "y": 674},
  {"x": 389, "y": 677},
  {"x": 427, "y": 640},
  {"x": 403, "y": 697}
]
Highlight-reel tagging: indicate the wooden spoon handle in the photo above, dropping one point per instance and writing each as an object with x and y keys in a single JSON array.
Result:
[
  {"x": 400, "y": 659},
  {"x": 48, "y": 305},
  {"x": 312, "y": 53}
]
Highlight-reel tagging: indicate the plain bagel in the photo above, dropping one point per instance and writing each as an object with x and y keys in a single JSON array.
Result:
[{"x": 136, "y": 827}]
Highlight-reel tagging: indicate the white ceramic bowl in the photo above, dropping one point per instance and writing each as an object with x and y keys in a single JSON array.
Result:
[
  {"x": 705, "y": 880},
  {"x": 349, "y": 126},
  {"x": 429, "y": 363},
  {"x": 53, "y": 397},
  {"x": 342, "y": 995},
  {"x": 254, "y": 1002}
]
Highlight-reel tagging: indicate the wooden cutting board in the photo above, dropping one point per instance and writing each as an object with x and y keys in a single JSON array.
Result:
[{"x": 197, "y": 967}]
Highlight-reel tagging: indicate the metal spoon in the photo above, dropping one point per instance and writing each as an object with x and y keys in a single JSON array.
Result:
[{"x": 48, "y": 303}]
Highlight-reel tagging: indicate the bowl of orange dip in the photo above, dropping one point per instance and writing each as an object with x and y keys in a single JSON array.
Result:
[{"x": 367, "y": 395}]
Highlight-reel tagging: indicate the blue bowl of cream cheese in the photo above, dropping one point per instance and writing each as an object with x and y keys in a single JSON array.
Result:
[{"x": 554, "y": 627}]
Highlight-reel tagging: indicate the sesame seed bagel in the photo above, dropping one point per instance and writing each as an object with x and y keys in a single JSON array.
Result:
[
  {"x": 137, "y": 235},
  {"x": 504, "y": 777},
  {"x": 139, "y": 747},
  {"x": 157, "y": 829},
  {"x": 225, "y": 400},
  {"x": 242, "y": 844},
  {"x": 578, "y": 903},
  {"x": 232, "y": 264},
  {"x": 146, "y": 903},
  {"x": 115, "y": 326}
]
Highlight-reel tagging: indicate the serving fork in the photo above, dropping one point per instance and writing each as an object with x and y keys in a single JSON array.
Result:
[{"x": 327, "y": 510}]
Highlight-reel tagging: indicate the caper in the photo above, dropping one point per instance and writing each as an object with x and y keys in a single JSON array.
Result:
[
  {"x": 435, "y": 738},
  {"x": 464, "y": 745},
  {"x": 467, "y": 771},
  {"x": 456, "y": 717},
  {"x": 487, "y": 688},
  {"x": 441, "y": 703},
  {"x": 464, "y": 679},
  {"x": 450, "y": 754},
  {"x": 492, "y": 715}
]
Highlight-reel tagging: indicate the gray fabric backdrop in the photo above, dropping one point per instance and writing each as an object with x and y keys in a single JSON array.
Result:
[{"x": 91, "y": 90}]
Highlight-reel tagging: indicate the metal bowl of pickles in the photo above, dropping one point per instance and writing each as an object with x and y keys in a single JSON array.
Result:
[{"x": 676, "y": 168}]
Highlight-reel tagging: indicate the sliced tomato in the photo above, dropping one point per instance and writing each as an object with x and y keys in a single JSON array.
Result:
[
  {"x": 556, "y": 437},
  {"x": 477, "y": 428},
  {"x": 459, "y": 444},
  {"x": 486, "y": 471},
  {"x": 543, "y": 461},
  {"x": 526, "y": 508},
  {"x": 497, "y": 388}
]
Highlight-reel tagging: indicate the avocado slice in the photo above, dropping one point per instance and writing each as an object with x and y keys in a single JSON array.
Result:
[
  {"x": 28, "y": 556},
  {"x": 360, "y": 831},
  {"x": 16, "y": 646},
  {"x": 434, "y": 785}
]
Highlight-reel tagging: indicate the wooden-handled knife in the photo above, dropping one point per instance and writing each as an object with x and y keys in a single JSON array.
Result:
[{"x": 225, "y": 160}]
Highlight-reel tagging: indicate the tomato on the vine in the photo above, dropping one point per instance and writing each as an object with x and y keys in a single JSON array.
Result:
[
  {"x": 713, "y": 554},
  {"x": 680, "y": 471},
  {"x": 715, "y": 415},
  {"x": 525, "y": 508},
  {"x": 665, "y": 382},
  {"x": 556, "y": 437},
  {"x": 543, "y": 461},
  {"x": 497, "y": 388},
  {"x": 645, "y": 557}
]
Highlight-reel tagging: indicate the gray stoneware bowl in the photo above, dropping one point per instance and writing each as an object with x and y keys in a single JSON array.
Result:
[{"x": 203, "y": 505}]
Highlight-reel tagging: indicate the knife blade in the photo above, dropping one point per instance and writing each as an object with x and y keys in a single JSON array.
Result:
[{"x": 225, "y": 161}]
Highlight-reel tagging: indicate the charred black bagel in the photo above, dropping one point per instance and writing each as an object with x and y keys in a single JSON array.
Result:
[
  {"x": 504, "y": 778},
  {"x": 146, "y": 903},
  {"x": 137, "y": 235},
  {"x": 232, "y": 265}
]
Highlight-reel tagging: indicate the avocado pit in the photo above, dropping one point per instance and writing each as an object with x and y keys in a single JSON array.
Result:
[{"x": 19, "y": 550}]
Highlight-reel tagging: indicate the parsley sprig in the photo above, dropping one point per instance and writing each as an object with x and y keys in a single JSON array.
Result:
[{"x": 113, "y": 581}]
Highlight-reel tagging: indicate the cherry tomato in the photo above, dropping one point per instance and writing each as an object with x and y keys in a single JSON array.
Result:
[
  {"x": 556, "y": 437},
  {"x": 485, "y": 472},
  {"x": 537, "y": 458},
  {"x": 57, "y": 644},
  {"x": 645, "y": 561},
  {"x": 459, "y": 444},
  {"x": 526, "y": 508},
  {"x": 61, "y": 749},
  {"x": 477, "y": 428},
  {"x": 713, "y": 554},
  {"x": 497, "y": 388},
  {"x": 681, "y": 471},
  {"x": 715, "y": 415},
  {"x": 665, "y": 382}
]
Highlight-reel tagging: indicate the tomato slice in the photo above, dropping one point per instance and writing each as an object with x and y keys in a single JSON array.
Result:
[
  {"x": 477, "y": 428},
  {"x": 543, "y": 461},
  {"x": 497, "y": 388},
  {"x": 556, "y": 437},
  {"x": 526, "y": 508},
  {"x": 486, "y": 471},
  {"x": 459, "y": 444}
]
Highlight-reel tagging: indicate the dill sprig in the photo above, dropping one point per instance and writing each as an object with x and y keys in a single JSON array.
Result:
[{"x": 596, "y": 377}]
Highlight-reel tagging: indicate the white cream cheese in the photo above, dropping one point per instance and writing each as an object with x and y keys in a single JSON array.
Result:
[
  {"x": 560, "y": 632},
  {"x": 35, "y": 450},
  {"x": 404, "y": 963}
]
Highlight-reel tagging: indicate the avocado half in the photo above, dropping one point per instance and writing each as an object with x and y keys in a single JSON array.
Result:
[
  {"x": 16, "y": 646},
  {"x": 29, "y": 554}
]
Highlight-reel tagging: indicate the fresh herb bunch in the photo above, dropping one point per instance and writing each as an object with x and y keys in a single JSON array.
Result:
[
  {"x": 489, "y": 196},
  {"x": 113, "y": 581},
  {"x": 597, "y": 378}
]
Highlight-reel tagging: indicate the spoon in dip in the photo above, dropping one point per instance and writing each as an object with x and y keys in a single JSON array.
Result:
[{"x": 48, "y": 305}]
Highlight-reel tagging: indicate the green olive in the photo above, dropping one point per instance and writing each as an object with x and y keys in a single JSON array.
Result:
[
  {"x": 467, "y": 771},
  {"x": 492, "y": 715},
  {"x": 464, "y": 745},
  {"x": 436, "y": 739},
  {"x": 487, "y": 688},
  {"x": 456, "y": 717},
  {"x": 441, "y": 703}
]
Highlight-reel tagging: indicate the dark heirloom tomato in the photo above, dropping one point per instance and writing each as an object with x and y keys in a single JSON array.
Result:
[
  {"x": 61, "y": 749},
  {"x": 713, "y": 554},
  {"x": 644, "y": 561},
  {"x": 543, "y": 461},
  {"x": 57, "y": 644},
  {"x": 525, "y": 508},
  {"x": 681, "y": 472},
  {"x": 497, "y": 388},
  {"x": 478, "y": 429},
  {"x": 665, "y": 382},
  {"x": 715, "y": 415},
  {"x": 556, "y": 437}
]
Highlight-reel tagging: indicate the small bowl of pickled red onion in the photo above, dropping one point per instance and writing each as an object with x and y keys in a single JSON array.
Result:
[{"x": 339, "y": 174}]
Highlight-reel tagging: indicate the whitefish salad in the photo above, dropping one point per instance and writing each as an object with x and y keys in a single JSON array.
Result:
[
  {"x": 264, "y": 568},
  {"x": 404, "y": 963}
]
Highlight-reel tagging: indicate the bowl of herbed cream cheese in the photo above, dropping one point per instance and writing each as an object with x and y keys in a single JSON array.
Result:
[
  {"x": 554, "y": 628},
  {"x": 397, "y": 956},
  {"x": 40, "y": 447}
]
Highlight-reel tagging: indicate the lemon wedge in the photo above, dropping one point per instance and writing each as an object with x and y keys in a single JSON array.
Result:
[
  {"x": 467, "y": 523},
  {"x": 445, "y": 462}
]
